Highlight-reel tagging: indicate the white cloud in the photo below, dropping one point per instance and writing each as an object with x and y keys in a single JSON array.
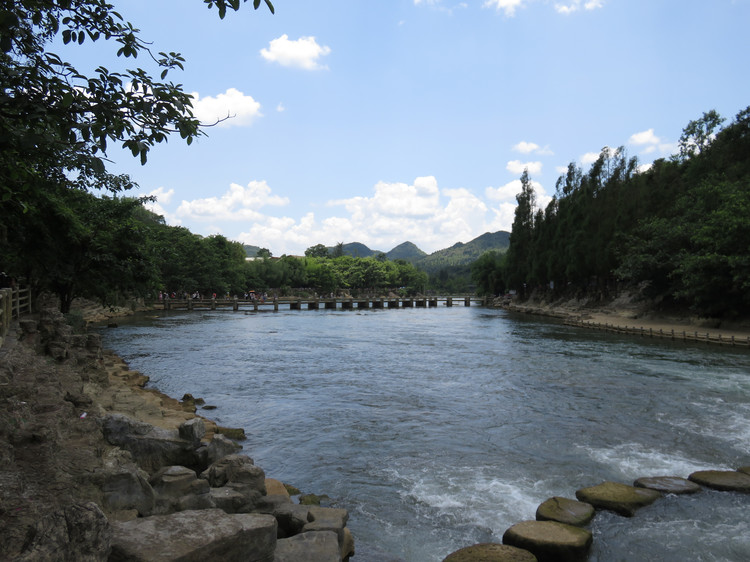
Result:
[
  {"x": 528, "y": 147},
  {"x": 303, "y": 53},
  {"x": 517, "y": 167},
  {"x": 644, "y": 137},
  {"x": 162, "y": 198},
  {"x": 506, "y": 6},
  {"x": 239, "y": 203},
  {"x": 590, "y": 157},
  {"x": 280, "y": 108},
  {"x": 577, "y": 5},
  {"x": 241, "y": 109}
]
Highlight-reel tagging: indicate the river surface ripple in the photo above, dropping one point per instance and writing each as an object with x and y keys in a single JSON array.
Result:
[{"x": 440, "y": 428}]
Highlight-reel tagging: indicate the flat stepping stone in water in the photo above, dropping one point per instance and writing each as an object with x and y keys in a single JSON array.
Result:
[
  {"x": 564, "y": 510},
  {"x": 491, "y": 552},
  {"x": 550, "y": 541},
  {"x": 668, "y": 484},
  {"x": 620, "y": 498},
  {"x": 724, "y": 480}
]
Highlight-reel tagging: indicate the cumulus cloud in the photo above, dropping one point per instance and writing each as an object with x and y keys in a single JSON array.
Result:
[
  {"x": 508, "y": 7},
  {"x": 242, "y": 110},
  {"x": 517, "y": 167},
  {"x": 577, "y": 5},
  {"x": 528, "y": 147},
  {"x": 237, "y": 204},
  {"x": 163, "y": 197},
  {"x": 649, "y": 143},
  {"x": 644, "y": 137},
  {"x": 589, "y": 157},
  {"x": 302, "y": 53}
]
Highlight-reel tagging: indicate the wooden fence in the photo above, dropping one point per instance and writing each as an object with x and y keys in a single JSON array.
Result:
[{"x": 13, "y": 303}]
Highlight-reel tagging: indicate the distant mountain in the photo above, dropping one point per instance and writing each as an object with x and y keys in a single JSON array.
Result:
[
  {"x": 358, "y": 250},
  {"x": 461, "y": 254},
  {"x": 406, "y": 251},
  {"x": 251, "y": 251}
]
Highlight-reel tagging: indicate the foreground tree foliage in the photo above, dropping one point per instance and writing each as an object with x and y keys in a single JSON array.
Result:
[
  {"x": 57, "y": 125},
  {"x": 680, "y": 230}
]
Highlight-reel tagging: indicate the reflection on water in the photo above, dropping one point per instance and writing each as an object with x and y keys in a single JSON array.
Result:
[{"x": 440, "y": 428}]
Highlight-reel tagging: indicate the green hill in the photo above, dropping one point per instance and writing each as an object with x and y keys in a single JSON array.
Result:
[
  {"x": 461, "y": 254},
  {"x": 406, "y": 251}
]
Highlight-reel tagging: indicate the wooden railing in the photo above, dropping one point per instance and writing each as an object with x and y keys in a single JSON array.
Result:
[{"x": 13, "y": 303}]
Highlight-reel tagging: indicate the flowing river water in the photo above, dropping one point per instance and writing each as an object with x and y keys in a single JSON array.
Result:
[{"x": 441, "y": 428}]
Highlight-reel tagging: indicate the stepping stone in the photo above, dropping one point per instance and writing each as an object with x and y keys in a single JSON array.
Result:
[
  {"x": 668, "y": 484},
  {"x": 550, "y": 541},
  {"x": 564, "y": 510},
  {"x": 491, "y": 552},
  {"x": 620, "y": 498},
  {"x": 724, "y": 480}
]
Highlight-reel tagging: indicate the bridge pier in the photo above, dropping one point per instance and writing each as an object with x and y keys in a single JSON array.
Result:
[
  {"x": 313, "y": 305},
  {"x": 275, "y": 305},
  {"x": 347, "y": 304},
  {"x": 235, "y": 304},
  {"x": 432, "y": 303},
  {"x": 330, "y": 305},
  {"x": 295, "y": 305},
  {"x": 393, "y": 303},
  {"x": 467, "y": 301}
]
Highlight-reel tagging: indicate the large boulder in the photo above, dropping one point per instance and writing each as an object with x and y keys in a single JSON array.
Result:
[
  {"x": 668, "y": 484},
  {"x": 178, "y": 488},
  {"x": 310, "y": 547},
  {"x": 216, "y": 449},
  {"x": 192, "y": 430},
  {"x": 564, "y": 510},
  {"x": 724, "y": 480},
  {"x": 195, "y": 536},
  {"x": 550, "y": 541},
  {"x": 126, "y": 490},
  {"x": 150, "y": 446},
  {"x": 78, "y": 532},
  {"x": 620, "y": 498},
  {"x": 235, "y": 469},
  {"x": 490, "y": 552},
  {"x": 331, "y": 519}
]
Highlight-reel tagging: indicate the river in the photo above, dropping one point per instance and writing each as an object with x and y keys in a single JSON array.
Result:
[{"x": 440, "y": 428}]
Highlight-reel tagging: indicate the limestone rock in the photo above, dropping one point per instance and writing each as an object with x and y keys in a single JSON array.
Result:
[
  {"x": 724, "y": 480},
  {"x": 237, "y": 469},
  {"x": 310, "y": 547},
  {"x": 126, "y": 490},
  {"x": 195, "y": 536},
  {"x": 564, "y": 510},
  {"x": 491, "y": 552},
  {"x": 78, "y": 532},
  {"x": 550, "y": 541},
  {"x": 620, "y": 498},
  {"x": 291, "y": 517},
  {"x": 330, "y": 519},
  {"x": 668, "y": 484},
  {"x": 151, "y": 447},
  {"x": 218, "y": 448},
  {"x": 274, "y": 487},
  {"x": 234, "y": 501},
  {"x": 177, "y": 481},
  {"x": 192, "y": 430}
]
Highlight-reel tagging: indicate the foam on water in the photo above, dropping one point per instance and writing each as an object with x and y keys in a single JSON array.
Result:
[{"x": 629, "y": 461}]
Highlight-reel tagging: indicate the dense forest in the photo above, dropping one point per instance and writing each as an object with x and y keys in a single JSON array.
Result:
[{"x": 679, "y": 231}]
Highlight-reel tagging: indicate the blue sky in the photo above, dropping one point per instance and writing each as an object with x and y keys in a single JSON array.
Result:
[{"x": 386, "y": 121}]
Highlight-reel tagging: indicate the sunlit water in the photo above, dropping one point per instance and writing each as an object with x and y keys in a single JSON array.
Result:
[{"x": 440, "y": 428}]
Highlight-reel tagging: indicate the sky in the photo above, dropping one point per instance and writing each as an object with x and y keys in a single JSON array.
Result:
[{"x": 388, "y": 121}]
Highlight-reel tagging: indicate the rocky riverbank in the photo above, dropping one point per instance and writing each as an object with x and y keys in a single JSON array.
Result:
[
  {"x": 93, "y": 466},
  {"x": 627, "y": 310}
]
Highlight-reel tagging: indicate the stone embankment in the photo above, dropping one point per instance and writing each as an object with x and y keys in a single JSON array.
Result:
[
  {"x": 559, "y": 535},
  {"x": 95, "y": 467}
]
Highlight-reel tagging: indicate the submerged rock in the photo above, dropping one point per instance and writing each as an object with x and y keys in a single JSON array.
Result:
[
  {"x": 490, "y": 552},
  {"x": 620, "y": 498},
  {"x": 564, "y": 510},
  {"x": 668, "y": 484},
  {"x": 724, "y": 480},
  {"x": 550, "y": 541}
]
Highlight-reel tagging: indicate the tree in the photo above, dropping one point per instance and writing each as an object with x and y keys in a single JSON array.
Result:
[
  {"x": 317, "y": 251},
  {"x": 264, "y": 253},
  {"x": 698, "y": 134}
]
